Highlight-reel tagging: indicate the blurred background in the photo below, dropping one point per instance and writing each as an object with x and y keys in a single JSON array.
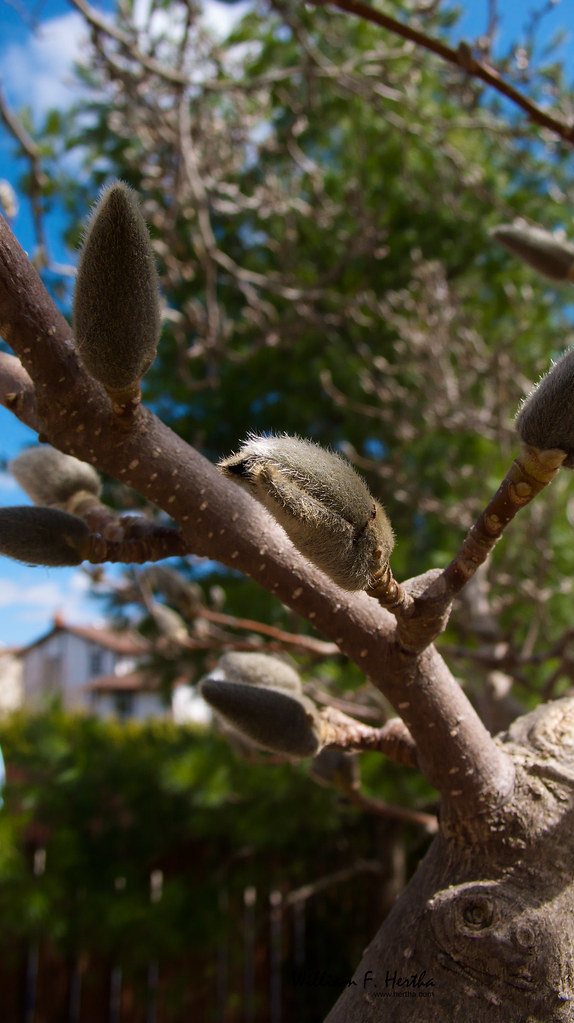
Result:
[{"x": 319, "y": 193}]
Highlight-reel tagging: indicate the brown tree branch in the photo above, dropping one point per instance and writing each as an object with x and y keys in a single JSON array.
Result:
[
  {"x": 128, "y": 43},
  {"x": 426, "y": 821},
  {"x": 461, "y": 58},
  {"x": 421, "y": 620},
  {"x": 17, "y": 391},
  {"x": 218, "y": 520},
  {"x": 351, "y": 736},
  {"x": 317, "y": 647}
]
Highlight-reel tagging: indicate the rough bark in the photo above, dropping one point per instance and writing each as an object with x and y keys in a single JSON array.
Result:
[{"x": 485, "y": 930}]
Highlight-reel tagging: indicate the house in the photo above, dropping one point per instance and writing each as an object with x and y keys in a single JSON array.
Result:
[
  {"x": 11, "y": 687},
  {"x": 90, "y": 669}
]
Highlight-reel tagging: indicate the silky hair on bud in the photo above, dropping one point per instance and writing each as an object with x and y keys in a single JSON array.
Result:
[
  {"x": 51, "y": 478},
  {"x": 275, "y": 720},
  {"x": 258, "y": 670},
  {"x": 43, "y": 536},
  {"x": 322, "y": 503},
  {"x": 168, "y": 622},
  {"x": 117, "y": 319},
  {"x": 545, "y": 419},
  {"x": 540, "y": 249},
  {"x": 335, "y": 769}
]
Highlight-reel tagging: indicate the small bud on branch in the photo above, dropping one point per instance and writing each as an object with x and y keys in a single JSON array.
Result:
[
  {"x": 259, "y": 670},
  {"x": 253, "y": 698},
  {"x": 542, "y": 250},
  {"x": 43, "y": 536},
  {"x": 545, "y": 419},
  {"x": 51, "y": 478},
  {"x": 117, "y": 318}
]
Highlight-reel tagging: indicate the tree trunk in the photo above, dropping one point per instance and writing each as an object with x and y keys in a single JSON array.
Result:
[{"x": 485, "y": 929}]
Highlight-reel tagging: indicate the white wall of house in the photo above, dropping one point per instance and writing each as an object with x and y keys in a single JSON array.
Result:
[
  {"x": 60, "y": 666},
  {"x": 73, "y": 667},
  {"x": 11, "y": 682},
  {"x": 128, "y": 706}
]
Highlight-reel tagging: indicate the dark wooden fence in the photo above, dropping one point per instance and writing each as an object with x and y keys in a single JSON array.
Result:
[{"x": 283, "y": 956}]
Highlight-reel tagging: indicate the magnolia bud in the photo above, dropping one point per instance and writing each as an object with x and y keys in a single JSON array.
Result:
[
  {"x": 43, "y": 536},
  {"x": 258, "y": 670},
  {"x": 542, "y": 250},
  {"x": 261, "y": 697},
  {"x": 271, "y": 719},
  {"x": 323, "y": 505},
  {"x": 168, "y": 623},
  {"x": 545, "y": 420},
  {"x": 335, "y": 769},
  {"x": 117, "y": 318},
  {"x": 185, "y": 595},
  {"x": 52, "y": 478}
]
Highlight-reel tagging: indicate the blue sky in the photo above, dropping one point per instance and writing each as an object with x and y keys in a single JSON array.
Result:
[{"x": 35, "y": 72}]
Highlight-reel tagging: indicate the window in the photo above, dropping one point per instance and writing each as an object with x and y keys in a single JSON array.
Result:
[
  {"x": 96, "y": 663},
  {"x": 52, "y": 676},
  {"x": 123, "y": 705}
]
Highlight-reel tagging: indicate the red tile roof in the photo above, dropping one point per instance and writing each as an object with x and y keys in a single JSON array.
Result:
[{"x": 121, "y": 642}]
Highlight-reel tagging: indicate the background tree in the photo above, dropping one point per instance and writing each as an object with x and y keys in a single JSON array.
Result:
[{"x": 319, "y": 192}]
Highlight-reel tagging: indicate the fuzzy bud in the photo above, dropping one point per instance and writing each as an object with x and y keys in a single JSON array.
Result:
[
  {"x": 117, "y": 319},
  {"x": 545, "y": 420},
  {"x": 51, "y": 478},
  {"x": 185, "y": 595},
  {"x": 335, "y": 769},
  {"x": 258, "y": 670},
  {"x": 542, "y": 250},
  {"x": 43, "y": 536},
  {"x": 261, "y": 698},
  {"x": 168, "y": 623},
  {"x": 322, "y": 503}
]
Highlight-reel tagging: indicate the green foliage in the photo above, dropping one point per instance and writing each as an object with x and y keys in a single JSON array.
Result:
[
  {"x": 111, "y": 803},
  {"x": 349, "y": 184},
  {"x": 346, "y": 289}
]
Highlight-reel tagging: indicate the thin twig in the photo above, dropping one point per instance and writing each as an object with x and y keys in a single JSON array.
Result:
[
  {"x": 528, "y": 475},
  {"x": 309, "y": 643},
  {"x": 461, "y": 58},
  {"x": 306, "y": 891},
  {"x": 103, "y": 25},
  {"x": 32, "y": 153},
  {"x": 344, "y": 733}
]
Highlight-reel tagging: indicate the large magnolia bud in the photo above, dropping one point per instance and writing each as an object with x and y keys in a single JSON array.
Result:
[
  {"x": 258, "y": 670},
  {"x": 545, "y": 419},
  {"x": 51, "y": 478},
  {"x": 322, "y": 503},
  {"x": 542, "y": 250},
  {"x": 116, "y": 303},
  {"x": 263, "y": 702},
  {"x": 43, "y": 536}
]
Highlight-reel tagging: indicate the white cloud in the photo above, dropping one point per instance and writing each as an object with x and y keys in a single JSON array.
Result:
[
  {"x": 25, "y": 601},
  {"x": 221, "y": 17},
  {"x": 8, "y": 483},
  {"x": 216, "y": 15},
  {"x": 37, "y": 72}
]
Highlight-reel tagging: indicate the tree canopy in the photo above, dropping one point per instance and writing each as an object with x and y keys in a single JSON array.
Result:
[{"x": 320, "y": 192}]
